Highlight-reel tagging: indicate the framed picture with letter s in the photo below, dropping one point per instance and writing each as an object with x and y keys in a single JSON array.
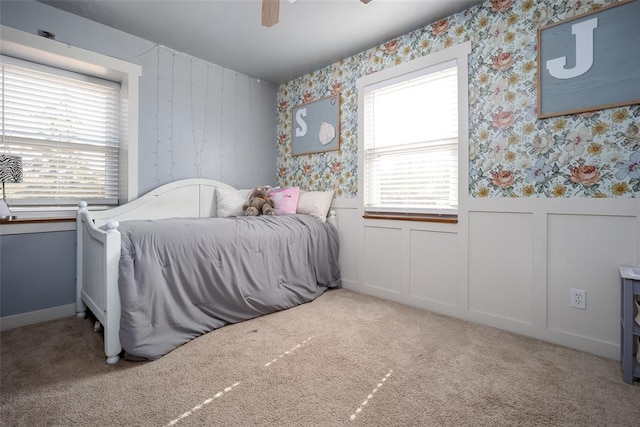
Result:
[
  {"x": 590, "y": 62},
  {"x": 316, "y": 126}
]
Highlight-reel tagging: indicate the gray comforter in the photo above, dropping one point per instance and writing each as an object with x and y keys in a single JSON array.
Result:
[{"x": 181, "y": 278}]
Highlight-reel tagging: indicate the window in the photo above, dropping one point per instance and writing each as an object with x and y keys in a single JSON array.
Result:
[
  {"x": 72, "y": 114},
  {"x": 411, "y": 118},
  {"x": 65, "y": 126}
]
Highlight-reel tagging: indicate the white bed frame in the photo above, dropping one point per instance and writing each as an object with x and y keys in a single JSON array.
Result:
[{"x": 98, "y": 246}]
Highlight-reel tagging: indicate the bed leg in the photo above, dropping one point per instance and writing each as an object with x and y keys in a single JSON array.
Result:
[
  {"x": 81, "y": 307},
  {"x": 113, "y": 355},
  {"x": 113, "y": 360},
  {"x": 112, "y": 346}
]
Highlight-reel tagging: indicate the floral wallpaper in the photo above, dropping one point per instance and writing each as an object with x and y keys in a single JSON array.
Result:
[{"x": 511, "y": 152}]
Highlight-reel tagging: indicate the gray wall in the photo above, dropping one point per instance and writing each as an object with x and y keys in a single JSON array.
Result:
[
  {"x": 38, "y": 271},
  {"x": 196, "y": 119}
]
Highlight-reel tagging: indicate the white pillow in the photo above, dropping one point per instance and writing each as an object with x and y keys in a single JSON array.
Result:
[
  {"x": 229, "y": 202},
  {"x": 315, "y": 203}
]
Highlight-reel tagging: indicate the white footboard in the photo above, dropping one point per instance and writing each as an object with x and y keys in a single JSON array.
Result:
[{"x": 97, "y": 278}]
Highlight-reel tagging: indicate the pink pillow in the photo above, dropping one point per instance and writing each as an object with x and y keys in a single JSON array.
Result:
[{"x": 285, "y": 200}]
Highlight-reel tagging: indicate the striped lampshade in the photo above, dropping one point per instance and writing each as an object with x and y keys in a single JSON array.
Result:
[{"x": 10, "y": 168}]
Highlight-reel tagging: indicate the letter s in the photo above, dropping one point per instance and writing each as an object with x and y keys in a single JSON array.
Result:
[{"x": 302, "y": 130}]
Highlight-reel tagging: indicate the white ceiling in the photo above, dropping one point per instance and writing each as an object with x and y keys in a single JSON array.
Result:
[{"x": 311, "y": 34}]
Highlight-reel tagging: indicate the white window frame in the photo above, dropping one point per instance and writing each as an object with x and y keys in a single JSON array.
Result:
[
  {"x": 459, "y": 54},
  {"x": 37, "y": 49}
]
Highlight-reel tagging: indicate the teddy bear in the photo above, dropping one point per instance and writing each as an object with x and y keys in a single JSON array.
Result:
[{"x": 258, "y": 202}]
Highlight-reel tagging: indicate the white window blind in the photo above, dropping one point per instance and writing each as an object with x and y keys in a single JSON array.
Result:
[
  {"x": 411, "y": 142},
  {"x": 66, "y": 128}
]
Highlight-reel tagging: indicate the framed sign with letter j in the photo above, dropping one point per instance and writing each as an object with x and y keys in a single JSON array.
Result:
[{"x": 590, "y": 62}]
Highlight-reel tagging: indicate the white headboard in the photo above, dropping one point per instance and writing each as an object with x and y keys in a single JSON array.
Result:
[{"x": 186, "y": 198}]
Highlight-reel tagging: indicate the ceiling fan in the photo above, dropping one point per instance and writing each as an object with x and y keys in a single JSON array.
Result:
[{"x": 271, "y": 10}]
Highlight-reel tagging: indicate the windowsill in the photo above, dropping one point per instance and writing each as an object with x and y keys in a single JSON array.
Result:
[
  {"x": 24, "y": 220},
  {"x": 446, "y": 219},
  {"x": 29, "y": 225},
  {"x": 43, "y": 213}
]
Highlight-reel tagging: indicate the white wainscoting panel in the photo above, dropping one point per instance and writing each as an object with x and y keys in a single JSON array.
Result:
[
  {"x": 500, "y": 264},
  {"x": 584, "y": 252},
  {"x": 348, "y": 227},
  {"x": 507, "y": 263},
  {"x": 383, "y": 259},
  {"x": 433, "y": 266}
]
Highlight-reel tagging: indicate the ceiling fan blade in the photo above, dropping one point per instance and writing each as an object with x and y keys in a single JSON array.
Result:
[{"x": 270, "y": 12}]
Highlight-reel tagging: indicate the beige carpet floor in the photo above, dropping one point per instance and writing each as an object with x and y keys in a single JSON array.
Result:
[{"x": 344, "y": 359}]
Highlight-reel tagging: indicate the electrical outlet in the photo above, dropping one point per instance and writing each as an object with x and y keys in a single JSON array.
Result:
[{"x": 579, "y": 298}]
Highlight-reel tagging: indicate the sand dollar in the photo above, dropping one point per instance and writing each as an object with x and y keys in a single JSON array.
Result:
[{"x": 327, "y": 133}]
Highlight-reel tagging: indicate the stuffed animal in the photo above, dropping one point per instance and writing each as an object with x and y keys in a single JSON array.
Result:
[{"x": 258, "y": 202}]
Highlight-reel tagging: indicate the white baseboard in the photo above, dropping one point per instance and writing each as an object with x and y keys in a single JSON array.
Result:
[
  {"x": 38, "y": 316},
  {"x": 350, "y": 284}
]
